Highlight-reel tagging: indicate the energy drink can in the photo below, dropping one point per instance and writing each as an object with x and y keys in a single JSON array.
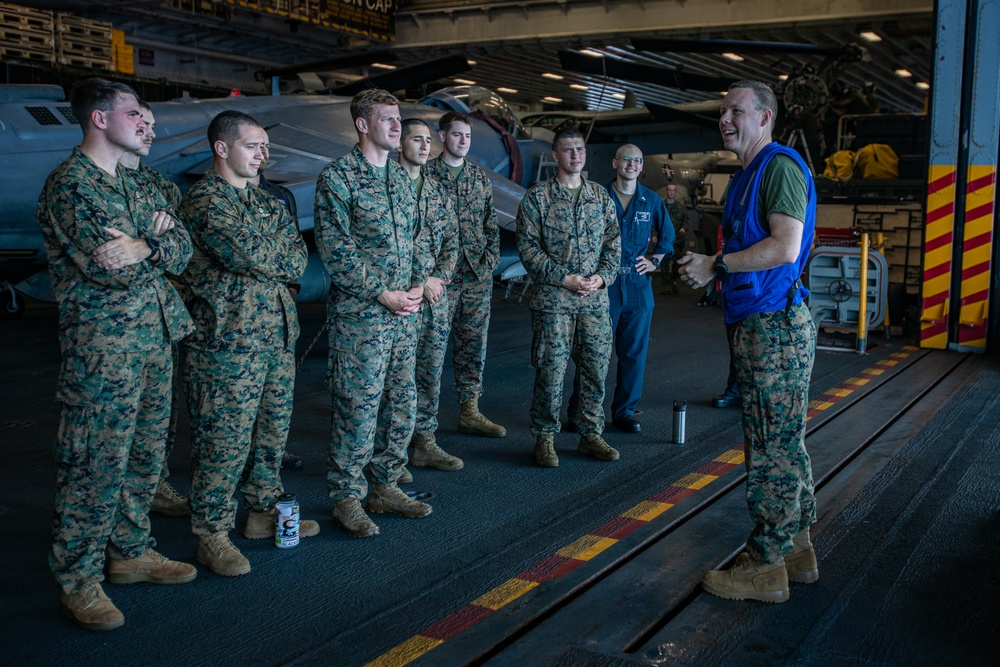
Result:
[{"x": 286, "y": 521}]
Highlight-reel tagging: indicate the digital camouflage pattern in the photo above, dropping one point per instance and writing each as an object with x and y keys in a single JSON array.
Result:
[
  {"x": 557, "y": 237},
  {"x": 435, "y": 254},
  {"x": 115, "y": 327},
  {"x": 240, "y": 366},
  {"x": 167, "y": 188},
  {"x": 471, "y": 192},
  {"x": 365, "y": 221},
  {"x": 471, "y": 290},
  {"x": 148, "y": 177},
  {"x": 774, "y": 355},
  {"x": 241, "y": 409},
  {"x": 129, "y": 305},
  {"x": 556, "y": 338},
  {"x": 679, "y": 218}
]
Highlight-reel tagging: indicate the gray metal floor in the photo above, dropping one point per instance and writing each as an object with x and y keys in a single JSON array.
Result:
[{"x": 888, "y": 594}]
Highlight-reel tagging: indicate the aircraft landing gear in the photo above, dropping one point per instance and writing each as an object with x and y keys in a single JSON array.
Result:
[{"x": 11, "y": 305}]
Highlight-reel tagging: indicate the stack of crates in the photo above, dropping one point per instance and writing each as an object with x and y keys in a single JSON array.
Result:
[
  {"x": 26, "y": 34},
  {"x": 83, "y": 42}
]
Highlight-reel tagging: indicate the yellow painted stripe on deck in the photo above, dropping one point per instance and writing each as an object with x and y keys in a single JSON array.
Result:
[
  {"x": 820, "y": 405},
  {"x": 734, "y": 456},
  {"x": 505, "y": 593},
  {"x": 586, "y": 547},
  {"x": 695, "y": 480},
  {"x": 647, "y": 510},
  {"x": 405, "y": 653}
]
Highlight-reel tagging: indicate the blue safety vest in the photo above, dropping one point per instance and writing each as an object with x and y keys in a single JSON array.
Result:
[{"x": 771, "y": 289}]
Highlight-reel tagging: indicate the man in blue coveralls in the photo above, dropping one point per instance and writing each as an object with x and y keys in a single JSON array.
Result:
[{"x": 641, "y": 214}]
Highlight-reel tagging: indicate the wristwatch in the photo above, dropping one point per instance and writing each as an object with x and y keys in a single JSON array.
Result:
[
  {"x": 655, "y": 262},
  {"x": 154, "y": 246},
  {"x": 720, "y": 267}
]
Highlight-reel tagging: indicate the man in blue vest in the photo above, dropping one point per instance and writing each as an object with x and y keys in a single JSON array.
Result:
[{"x": 768, "y": 223}]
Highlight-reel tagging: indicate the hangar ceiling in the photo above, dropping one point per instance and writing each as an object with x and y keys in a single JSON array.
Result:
[{"x": 513, "y": 43}]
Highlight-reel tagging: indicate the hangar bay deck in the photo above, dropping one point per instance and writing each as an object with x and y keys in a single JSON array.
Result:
[{"x": 588, "y": 564}]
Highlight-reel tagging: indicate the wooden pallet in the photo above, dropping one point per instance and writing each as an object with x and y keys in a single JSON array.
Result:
[
  {"x": 20, "y": 37},
  {"x": 67, "y": 25},
  {"x": 17, "y": 17},
  {"x": 80, "y": 50},
  {"x": 34, "y": 55},
  {"x": 85, "y": 63}
]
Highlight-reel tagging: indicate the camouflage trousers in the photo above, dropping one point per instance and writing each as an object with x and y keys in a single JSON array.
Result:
[
  {"x": 175, "y": 407},
  {"x": 373, "y": 401},
  {"x": 556, "y": 338},
  {"x": 241, "y": 407},
  {"x": 774, "y": 353},
  {"x": 432, "y": 343},
  {"x": 469, "y": 312},
  {"x": 108, "y": 453}
]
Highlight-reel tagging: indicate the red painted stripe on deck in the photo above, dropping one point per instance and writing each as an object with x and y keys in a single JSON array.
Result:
[{"x": 555, "y": 566}]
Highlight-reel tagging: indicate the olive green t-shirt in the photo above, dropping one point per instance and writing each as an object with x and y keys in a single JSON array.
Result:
[{"x": 782, "y": 190}]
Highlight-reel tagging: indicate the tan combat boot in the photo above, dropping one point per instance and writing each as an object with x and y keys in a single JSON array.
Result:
[
  {"x": 168, "y": 502},
  {"x": 220, "y": 556},
  {"x": 471, "y": 420},
  {"x": 749, "y": 579},
  {"x": 405, "y": 477},
  {"x": 261, "y": 525},
  {"x": 349, "y": 515},
  {"x": 594, "y": 445},
  {"x": 91, "y": 608},
  {"x": 427, "y": 454},
  {"x": 150, "y": 567},
  {"x": 388, "y": 498},
  {"x": 801, "y": 564},
  {"x": 545, "y": 451}
]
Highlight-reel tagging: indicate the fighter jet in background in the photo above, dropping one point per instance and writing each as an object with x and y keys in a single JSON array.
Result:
[{"x": 38, "y": 130}]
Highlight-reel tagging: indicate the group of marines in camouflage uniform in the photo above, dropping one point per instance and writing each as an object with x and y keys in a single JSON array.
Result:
[
  {"x": 392, "y": 246},
  {"x": 410, "y": 249}
]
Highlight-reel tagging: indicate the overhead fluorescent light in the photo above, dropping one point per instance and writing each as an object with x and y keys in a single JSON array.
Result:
[
  {"x": 471, "y": 62},
  {"x": 592, "y": 52},
  {"x": 549, "y": 98},
  {"x": 870, "y": 36},
  {"x": 383, "y": 66},
  {"x": 465, "y": 82},
  {"x": 923, "y": 85},
  {"x": 579, "y": 86},
  {"x": 903, "y": 72},
  {"x": 550, "y": 75},
  {"x": 502, "y": 89},
  {"x": 733, "y": 56},
  {"x": 783, "y": 77},
  {"x": 618, "y": 96}
]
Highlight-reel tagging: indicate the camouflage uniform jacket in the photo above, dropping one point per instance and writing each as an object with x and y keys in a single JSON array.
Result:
[
  {"x": 246, "y": 250},
  {"x": 556, "y": 238},
  {"x": 678, "y": 217},
  {"x": 435, "y": 246},
  {"x": 119, "y": 310},
  {"x": 479, "y": 236},
  {"x": 364, "y": 233},
  {"x": 170, "y": 191}
]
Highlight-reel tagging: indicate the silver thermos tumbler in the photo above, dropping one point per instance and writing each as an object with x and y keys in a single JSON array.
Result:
[{"x": 680, "y": 416}]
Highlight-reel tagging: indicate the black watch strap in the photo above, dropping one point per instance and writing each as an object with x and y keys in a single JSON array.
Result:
[
  {"x": 655, "y": 262},
  {"x": 154, "y": 246},
  {"x": 720, "y": 267}
]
